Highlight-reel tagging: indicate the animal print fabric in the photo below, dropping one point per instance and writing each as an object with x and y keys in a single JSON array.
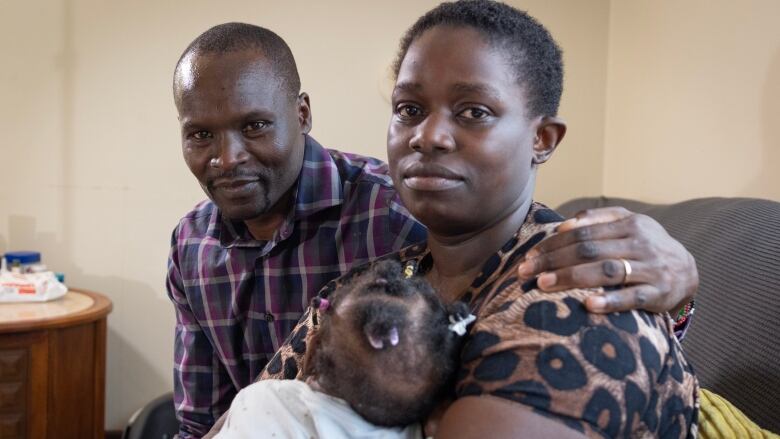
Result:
[{"x": 615, "y": 375}]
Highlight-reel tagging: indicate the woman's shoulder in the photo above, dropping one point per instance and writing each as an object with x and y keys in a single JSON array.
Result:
[
  {"x": 621, "y": 373},
  {"x": 500, "y": 270}
]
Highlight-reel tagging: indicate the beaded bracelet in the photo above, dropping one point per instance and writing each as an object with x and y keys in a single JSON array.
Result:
[
  {"x": 683, "y": 319},
  {"x": 683, "y": 314}
]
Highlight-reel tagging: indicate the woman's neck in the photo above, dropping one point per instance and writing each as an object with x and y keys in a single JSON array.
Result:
[{"x": 458, "y": 259}]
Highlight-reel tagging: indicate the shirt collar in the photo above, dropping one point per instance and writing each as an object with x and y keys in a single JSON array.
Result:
[
  {"x": 319, "y": 183},
  {"x": 318, "y": 187}
]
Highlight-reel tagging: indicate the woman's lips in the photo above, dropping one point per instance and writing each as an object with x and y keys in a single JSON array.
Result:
[
  {"x": 431, "y": 183},
  {"x": 430, "y": 177}
]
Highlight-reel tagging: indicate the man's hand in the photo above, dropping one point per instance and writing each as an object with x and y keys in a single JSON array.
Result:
[{"x": 587, "y": 251}]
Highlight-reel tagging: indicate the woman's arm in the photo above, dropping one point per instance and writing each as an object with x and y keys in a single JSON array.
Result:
[
  {"x": 533, "y": 357},
  {"x": 479, "y": 417}
]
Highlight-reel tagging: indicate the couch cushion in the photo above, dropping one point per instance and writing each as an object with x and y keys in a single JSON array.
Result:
[{"x": 734, "y": 340}]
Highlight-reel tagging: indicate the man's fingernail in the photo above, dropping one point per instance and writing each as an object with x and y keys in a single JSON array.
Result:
[
  {"x": 566, "y": 225},
  {"x": 530, "y": 254},
  {"x": 547, "y": 280},
  {"x": 525, "y": 269},
  {"x": 598, "y": 302}
]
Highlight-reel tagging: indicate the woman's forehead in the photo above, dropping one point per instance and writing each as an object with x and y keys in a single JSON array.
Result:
[{"x": 460, "y": 58}]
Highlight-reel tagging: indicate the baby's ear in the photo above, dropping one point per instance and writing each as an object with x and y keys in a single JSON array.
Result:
[{"x": 312, "y": 346}]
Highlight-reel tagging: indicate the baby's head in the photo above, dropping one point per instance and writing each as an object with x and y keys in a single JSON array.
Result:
[{"x": 384, "y": 345}]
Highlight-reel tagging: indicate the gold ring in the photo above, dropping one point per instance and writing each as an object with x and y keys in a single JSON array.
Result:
[{"x": 626, "y": 270}]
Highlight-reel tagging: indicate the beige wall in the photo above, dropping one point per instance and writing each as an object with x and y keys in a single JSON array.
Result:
[
  {"x": 92, "y": 173},
  {"x": 683, "y": 95},
  {"x": 693, "y": 99}
]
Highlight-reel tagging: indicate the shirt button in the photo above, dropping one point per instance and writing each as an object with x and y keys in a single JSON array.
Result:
[{"x": 269, "y": 317}]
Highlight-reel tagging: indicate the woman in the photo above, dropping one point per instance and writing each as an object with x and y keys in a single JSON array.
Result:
[
  {"x": 477, "y": 87},
  {"x": 474, "y": 113}
]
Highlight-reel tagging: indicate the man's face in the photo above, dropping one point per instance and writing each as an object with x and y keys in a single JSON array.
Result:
[{"x": 242, "y": 130}]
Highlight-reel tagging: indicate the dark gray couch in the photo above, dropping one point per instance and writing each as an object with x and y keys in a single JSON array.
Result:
[{"x": 734, "y": 342}]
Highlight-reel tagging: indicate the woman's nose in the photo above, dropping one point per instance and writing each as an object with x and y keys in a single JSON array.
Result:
[{"x": 434, "y": 134}]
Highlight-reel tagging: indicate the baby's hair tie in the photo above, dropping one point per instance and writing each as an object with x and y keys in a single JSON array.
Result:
[
  {"x": 320, "y": 303},
  {"x": 458, "y": 323}
]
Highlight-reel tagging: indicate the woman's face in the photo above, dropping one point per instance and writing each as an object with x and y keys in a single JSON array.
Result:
[{"x": 460, "y": 143}]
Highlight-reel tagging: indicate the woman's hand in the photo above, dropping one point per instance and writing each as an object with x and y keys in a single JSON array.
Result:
[{"x": 589, "y": 251}]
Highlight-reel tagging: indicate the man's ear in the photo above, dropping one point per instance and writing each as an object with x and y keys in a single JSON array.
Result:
[
  {"x": 549, "y": 133},
  {"x": 304, "y": 113}
]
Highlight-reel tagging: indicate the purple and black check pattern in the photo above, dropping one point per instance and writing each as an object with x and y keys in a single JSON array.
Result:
[{"x": 237, "y": 299}]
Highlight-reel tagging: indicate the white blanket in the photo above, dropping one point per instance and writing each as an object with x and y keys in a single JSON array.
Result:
[{"x": 291, "y": 409}]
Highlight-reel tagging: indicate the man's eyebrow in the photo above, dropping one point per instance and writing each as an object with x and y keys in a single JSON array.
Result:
[
  {"x": 257, "y": 115},
  {"x": 477, "y": 88},
  {"x": 189, "y": 124},
  {"x": 410, "y": 87}
]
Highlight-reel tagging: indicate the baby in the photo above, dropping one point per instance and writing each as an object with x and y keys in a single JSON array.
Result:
[{"x": 382, "y": 357}]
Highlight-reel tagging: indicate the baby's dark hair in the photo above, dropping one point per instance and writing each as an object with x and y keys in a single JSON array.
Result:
[
  {"x": 384, "y": 345},
  {"x": 529, "y": 47}
]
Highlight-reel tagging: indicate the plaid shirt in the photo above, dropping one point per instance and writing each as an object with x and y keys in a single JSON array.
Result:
[{"x": 237, "y": 298}]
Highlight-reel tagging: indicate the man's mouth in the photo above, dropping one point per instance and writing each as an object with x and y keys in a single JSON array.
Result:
[{"x": 236, "y": 187}]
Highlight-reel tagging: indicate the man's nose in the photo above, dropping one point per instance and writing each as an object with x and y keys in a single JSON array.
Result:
[
  {"x": 434, "y": 134},
  {"x": 231, "y": 152}
]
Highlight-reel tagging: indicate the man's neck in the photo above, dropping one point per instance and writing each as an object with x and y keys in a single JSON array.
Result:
[{"x": 263, "y": 227}]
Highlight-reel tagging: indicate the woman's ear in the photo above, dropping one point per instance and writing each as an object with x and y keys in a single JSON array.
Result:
[{"x": 549, "y": 133}]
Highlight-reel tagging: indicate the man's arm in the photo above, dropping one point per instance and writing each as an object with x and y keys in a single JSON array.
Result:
[
  {"x": 202, "y": 389},
  {"x": 587, "y": 251}
]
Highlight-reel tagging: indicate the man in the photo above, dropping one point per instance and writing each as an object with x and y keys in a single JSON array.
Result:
[{"x": 286, "y": 215}]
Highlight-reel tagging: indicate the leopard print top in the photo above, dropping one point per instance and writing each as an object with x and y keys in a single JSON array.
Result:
[{"x": 616, "y": 375}]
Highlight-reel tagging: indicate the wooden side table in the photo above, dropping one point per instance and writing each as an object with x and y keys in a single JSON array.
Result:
[{"x": 53, "y": 367}]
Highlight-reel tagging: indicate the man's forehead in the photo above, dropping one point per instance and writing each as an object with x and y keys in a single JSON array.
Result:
[{"x": 226, "y": 69}]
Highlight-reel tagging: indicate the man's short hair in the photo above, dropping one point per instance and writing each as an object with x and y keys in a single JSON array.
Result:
[
  {"x": 530, "y": 48},
  {"x": 235, "y": 37}
]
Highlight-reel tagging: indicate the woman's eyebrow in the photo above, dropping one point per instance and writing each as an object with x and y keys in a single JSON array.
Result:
[
  {"x": 477, "y": 88},
  {"x": 459, "y": 87}
]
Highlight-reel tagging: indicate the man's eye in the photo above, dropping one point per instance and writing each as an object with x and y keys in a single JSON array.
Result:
[
  {"x": 408, "y": 111},
  {"x": 474, "y": 113},
  {"x": 254, "y": 126},
  {"x": 201, "y": 135}
]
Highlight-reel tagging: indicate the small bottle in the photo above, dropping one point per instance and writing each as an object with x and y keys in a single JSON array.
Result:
[{"x": 24, "y": 262}]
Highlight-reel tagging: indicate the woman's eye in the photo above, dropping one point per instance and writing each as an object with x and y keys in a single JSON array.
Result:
[
  {"x": 408, "y": 111},
  {"x": 254, "y": 126},
  {"x": 474, "y": 113},
  {"x": 201, "y": 135}
]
